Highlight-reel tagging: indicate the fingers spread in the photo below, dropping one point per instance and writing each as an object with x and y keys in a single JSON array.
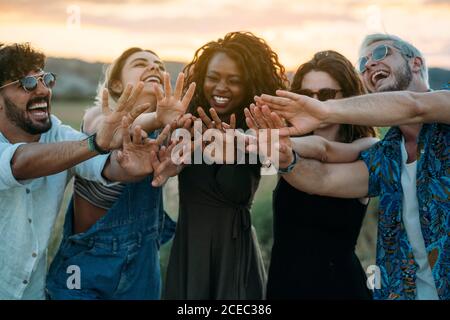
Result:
[
  {"x": 288, "y": 94},
  {"x": 136, "y": 92},
  {"x": 138, "y": 111},
  {"x": 162, "y": 137},
  {"x": 215, "y": 117},
  {"x": 167, "y": 85},
  {"x": 179, "y": 86},
  {"x": 125, "y": 132},
  {"x": 188, "y": 95},
  {"x": 251, "y": 123},
  {"x": 259, "y": 117},
  {"x": 233, "y": 121},
  {"x": 274, "y": 101},
  {"x": 206, "y": 120},
  {"x": 278, "y": 123},
  {"x": 121, "y": 103},
  {"x": 137, "y": 138},
  {"x": 105, "y": 102},
  {"x": 154, "y": 160},
  {"x": 159, "y": 93}
]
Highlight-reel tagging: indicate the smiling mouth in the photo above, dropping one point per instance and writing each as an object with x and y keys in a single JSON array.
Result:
[
  {"x": 39, "y": 109},
  {"x": 377, "y": 76},
  {"x": 221, "y": 101},
  {"x": 152, "y": 79}
]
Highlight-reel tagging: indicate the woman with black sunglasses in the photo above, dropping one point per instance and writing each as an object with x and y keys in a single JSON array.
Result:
[{"x": 313, "y": 254}]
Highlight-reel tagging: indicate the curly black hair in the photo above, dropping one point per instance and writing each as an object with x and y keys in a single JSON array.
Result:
[
  {"x": 262, "y": 72},
  {"x": 17, "y": 60}
]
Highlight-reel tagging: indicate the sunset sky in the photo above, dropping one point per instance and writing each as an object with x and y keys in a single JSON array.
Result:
[{"x": 295, "y": 29}]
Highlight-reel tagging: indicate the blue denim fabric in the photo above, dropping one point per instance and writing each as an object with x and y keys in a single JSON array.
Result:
[{"x": 119, "y": 255}]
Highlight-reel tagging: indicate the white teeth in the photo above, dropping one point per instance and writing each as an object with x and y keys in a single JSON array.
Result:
[
  {"x": 152, "y": 79},
  {"x": 221, "y": 99},
  {"x": 38, "y": 106},
  {"x": 377, "y": 73}
]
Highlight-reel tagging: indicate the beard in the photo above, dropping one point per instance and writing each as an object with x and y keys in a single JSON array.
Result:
[
  {"x": 403, "y": 77},
  {"x": 20, "y": 118}
]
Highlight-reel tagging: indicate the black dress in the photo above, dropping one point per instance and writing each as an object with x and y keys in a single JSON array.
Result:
[
  {"x": 313, "y": 255},
  {"x": 215, "y": 253}
]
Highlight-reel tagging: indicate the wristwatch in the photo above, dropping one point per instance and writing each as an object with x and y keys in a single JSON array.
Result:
[
  {"x": 290, "y": 167},
  {"x": 93, "y": 146}
]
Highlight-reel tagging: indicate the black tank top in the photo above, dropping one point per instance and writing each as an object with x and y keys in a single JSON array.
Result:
[{"x": 313, "y": 254}]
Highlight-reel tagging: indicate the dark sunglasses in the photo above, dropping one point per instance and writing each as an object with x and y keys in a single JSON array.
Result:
[
  {"x": 30, "y": 83},
  {"x": 322, "y": 95}
]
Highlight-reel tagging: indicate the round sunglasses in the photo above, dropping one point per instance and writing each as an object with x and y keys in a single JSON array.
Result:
[
  {"x": 30, "y": 83},
  {"x": 322, "y": 95},
  {"x": 381, "y": 52}
]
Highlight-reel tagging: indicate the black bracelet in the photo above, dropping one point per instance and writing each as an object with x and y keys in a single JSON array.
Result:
[
  {"x": 93, "y": 146},
  {"x": 291, "y": 166}
]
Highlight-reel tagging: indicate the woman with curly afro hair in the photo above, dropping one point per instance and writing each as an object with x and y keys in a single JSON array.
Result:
[{"x": 215, "y": 254}]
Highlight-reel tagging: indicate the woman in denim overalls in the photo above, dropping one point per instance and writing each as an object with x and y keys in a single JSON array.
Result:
[{"x": 112, "y": 235}]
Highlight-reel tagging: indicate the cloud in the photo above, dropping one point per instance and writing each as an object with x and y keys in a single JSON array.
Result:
[
  {"x": 228, "y": 16},
  {"x": 447, "y": 2},
  {"x": 295, "y": 29}
]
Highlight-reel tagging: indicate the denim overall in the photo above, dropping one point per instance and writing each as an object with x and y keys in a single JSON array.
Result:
[{"x": 118, "y": 257}]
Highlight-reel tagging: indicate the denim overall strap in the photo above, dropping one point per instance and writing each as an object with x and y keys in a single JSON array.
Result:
[{"x": 138, "y": 201}]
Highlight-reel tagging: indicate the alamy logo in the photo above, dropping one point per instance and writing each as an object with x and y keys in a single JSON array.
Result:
[
  {"x": 227, "y": 146},
  {"x": 73, "y": 17},
  {"x": 74, "y": 280},
  {"x": 373, "y": 277}
]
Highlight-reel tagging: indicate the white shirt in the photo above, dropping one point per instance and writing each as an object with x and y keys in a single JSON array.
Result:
[
  {"x": 425, "y": 286},
  {"x": 28, "y": 210}
]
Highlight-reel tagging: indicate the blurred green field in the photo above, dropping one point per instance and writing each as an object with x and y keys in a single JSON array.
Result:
[{"x": 71, "y": 113}]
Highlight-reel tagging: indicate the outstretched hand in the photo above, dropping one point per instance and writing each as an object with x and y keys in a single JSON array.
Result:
[
  {"x": 305, "y": 114},
  {"x": 109, "y": 134},
  {"x": 216, "y": 122},
  {"x": 171, "y": 106},
  {"x": 162, "y": 161},
  {"x": 223, "y": 136},
  {"x": 258, "y": 118},
  {"x": 135, "y": 156}
]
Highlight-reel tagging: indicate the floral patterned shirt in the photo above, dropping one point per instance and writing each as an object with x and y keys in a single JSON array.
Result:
[{"x": 394, "y": 253}]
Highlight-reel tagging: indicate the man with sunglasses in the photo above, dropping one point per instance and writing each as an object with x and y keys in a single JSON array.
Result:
[
  {"x": 408, "y": 169},
  {"x": 38, "y": 157}
]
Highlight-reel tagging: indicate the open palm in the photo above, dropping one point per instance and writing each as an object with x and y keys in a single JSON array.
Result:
[
  {"x": 135, "y": 156},
  {"x": 305, "y": 114},
  {"x": 171, "y": 106},
  {"x": 261, "y": 118},
  {"x": 109, "y": 135}
]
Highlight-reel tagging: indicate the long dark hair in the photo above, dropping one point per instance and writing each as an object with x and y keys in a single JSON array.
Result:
[
  {"x": 261, "y": 70},
  {"x": 341, "y": 70}
]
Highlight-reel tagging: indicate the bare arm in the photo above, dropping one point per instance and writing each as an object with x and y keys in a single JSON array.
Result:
[
  {"x": 34, "y": 160},
  {"x": 391, "y": 108},
  {"x": 311, "y": 147},
  {"x": 343, "y": 180},
  {"x": 148, "y": 122},
  {"x": 378, "y": 109},
  {"x": 316, "y": 147}
]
